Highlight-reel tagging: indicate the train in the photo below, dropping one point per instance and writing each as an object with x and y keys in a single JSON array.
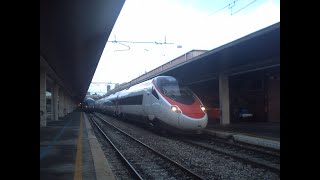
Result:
[
  {"x": 88, "y": 105},
  {"x": 161, "y": 102}
]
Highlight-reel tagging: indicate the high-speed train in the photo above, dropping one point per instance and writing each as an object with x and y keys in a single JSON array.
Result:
[
  {"x": 107, "y": 105},
  {"x": 161, "y": 102}
]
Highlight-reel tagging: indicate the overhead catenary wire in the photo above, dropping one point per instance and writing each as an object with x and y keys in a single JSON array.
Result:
[
  {"x": 155, "y": 42},
  {"x": 122, "y": 49},
  {"x": 230, "y": 6},
  {"x": 244, "y": 7},
  {"x": 140, "y": 42}
]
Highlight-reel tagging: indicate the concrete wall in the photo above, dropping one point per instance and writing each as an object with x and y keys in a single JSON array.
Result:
[{"x": 61, "y": 103}]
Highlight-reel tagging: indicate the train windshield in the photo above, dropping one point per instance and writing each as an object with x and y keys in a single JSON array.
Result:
[
  {"x": 89, "y": 102},
  {"x": 170, "y": 87}
]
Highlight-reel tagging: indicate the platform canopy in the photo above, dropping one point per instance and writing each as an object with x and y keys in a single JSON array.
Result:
[
  {"x": 256, "y": 51},
  {"x": 73, "y": 34}
]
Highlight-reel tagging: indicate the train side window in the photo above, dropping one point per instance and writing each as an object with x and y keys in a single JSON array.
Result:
[
  {"x": 155, "y": 94},
  {"x": 108, "y": 103}
]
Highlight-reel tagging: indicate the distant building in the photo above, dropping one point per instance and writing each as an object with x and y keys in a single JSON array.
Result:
[{"x": 100, "y": 88}]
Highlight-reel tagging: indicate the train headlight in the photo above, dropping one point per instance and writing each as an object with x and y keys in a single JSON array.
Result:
[
  {"x": 203, "y": 108},
  {"x": 176, "y": 109}
]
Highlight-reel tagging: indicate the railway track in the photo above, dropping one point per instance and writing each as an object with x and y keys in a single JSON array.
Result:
[
  {"x": 207, "y": 163},
  {"x": 250, "y": 147},
  {"x": 143, "y": 161},
  {"x": 265, "y": 160}
]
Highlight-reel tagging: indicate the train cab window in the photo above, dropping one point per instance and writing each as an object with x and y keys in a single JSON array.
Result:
[
  {"x": 170, "y": 87},
  {"x": 154, "y": 93}
]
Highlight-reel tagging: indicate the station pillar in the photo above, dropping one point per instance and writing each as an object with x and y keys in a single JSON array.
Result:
[
  {"x": 224, "y": 99},
  {"x": 61, "y": 103},
  {"x": 43, "y": 102},
  {"x": 55, "y": 101},
  {"x": 65, "y": 104},
  {"x": 68, "y": 104}
]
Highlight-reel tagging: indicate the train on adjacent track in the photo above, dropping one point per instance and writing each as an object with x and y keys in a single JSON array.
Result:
[
  {"x": 88, "y": 105},
  {"x": 160, "y": 102}
]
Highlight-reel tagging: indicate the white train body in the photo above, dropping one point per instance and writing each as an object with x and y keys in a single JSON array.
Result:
[
  {"x": 106, "y": 105},
  {"x": 159, "y": 101}
]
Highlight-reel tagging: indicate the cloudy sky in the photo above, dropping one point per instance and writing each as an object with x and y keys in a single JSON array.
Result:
[{"x": 184, "y": 25}]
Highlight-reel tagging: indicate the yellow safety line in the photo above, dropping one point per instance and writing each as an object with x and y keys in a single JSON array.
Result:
[{"x": 78, "y": 164}]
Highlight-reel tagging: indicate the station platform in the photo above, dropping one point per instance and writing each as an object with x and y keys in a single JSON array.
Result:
[
  {"x": 70, "y": 150},
  {"x": 260, "y": 134}
]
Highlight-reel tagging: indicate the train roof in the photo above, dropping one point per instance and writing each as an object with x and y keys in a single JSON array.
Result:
[
  {"x": 88, "y": 99},
  {"x": 135, "y": 89}
]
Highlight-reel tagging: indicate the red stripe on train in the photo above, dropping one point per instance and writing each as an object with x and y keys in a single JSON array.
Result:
[{"x": 194, "y": 110}]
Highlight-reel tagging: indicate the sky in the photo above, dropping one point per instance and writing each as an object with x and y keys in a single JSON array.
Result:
[{"x": 157, "y": 31}]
